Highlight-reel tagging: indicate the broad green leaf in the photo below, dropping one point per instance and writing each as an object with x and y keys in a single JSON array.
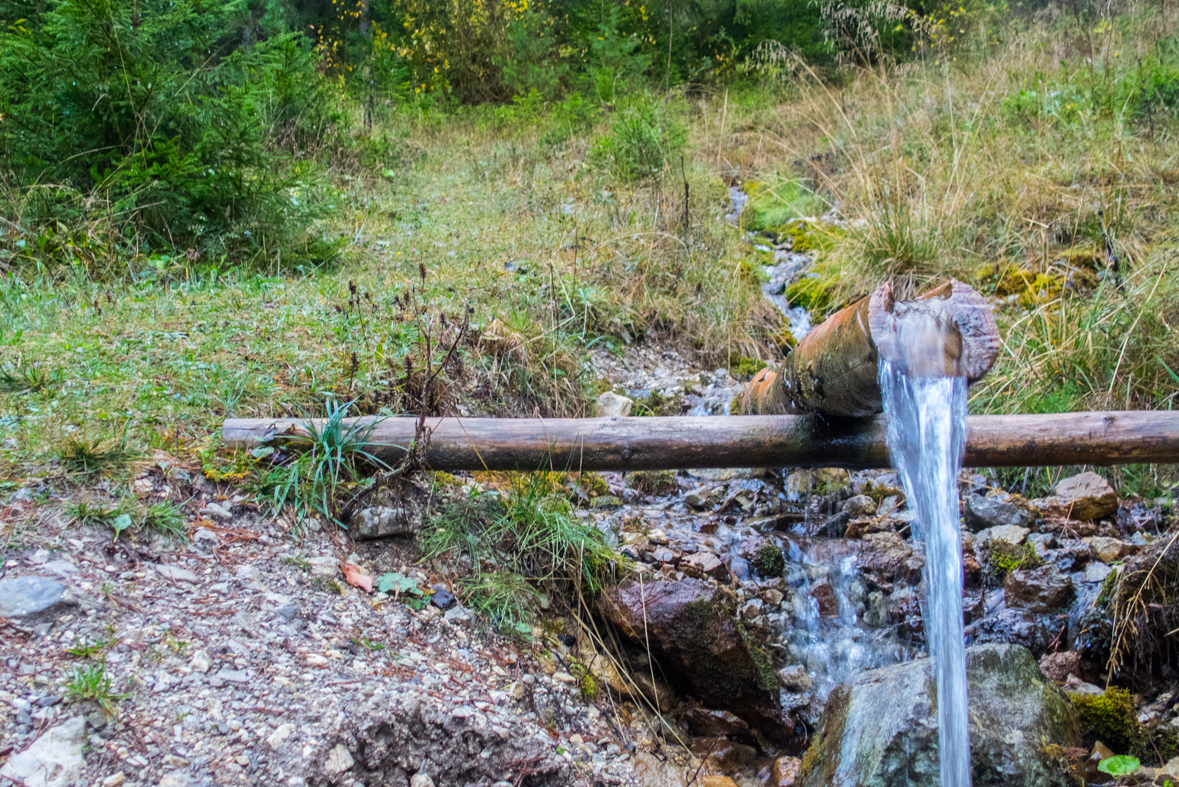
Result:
[
  {"x": 121, "y": 523},
  {"x": 1121, "y": 765}
]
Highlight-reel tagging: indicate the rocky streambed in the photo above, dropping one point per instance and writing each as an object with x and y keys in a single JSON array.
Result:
[{"x": 768, "y": 631}]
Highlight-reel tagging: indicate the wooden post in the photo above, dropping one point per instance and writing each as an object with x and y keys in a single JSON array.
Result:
[{"x": 1103, "y": 438}]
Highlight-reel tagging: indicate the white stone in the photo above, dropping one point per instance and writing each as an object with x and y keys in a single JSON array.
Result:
[
  {"x": 176, "y": 574},
  {"x": 338, "y": 761},
  {"x": 215, "y": 511},
  {"x": 54, "y": 759},
  {"x": 200, "y": 662},
  {"x": 114, "y": 780},
  {"x": 421, "y": 780},
  {"x": 280, "y": 735},
  {"x": 611, "y": 405}
]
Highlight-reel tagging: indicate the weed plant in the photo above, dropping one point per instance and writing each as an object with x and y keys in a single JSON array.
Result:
[
  {"x": 315, "y": 480},
  {"x": 520, "y": 546},
  {"x": 91, "y": 684}
]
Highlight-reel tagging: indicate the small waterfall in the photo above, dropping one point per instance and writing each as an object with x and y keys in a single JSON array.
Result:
[{"x": 926, "y": 437}]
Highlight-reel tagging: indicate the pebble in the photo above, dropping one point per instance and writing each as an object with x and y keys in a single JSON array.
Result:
[
  {"x": 176, "y": 574},
  {"x": 114, "y": 780}
]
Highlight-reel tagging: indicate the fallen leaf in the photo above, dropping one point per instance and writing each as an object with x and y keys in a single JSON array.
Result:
[{"x": 357, "y": 578}]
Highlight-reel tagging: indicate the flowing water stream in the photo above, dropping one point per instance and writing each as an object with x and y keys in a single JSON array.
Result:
[{"x": 926, "y": 438}]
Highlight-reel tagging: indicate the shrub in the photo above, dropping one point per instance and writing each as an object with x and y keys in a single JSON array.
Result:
[
  {"x": 643, "y": 138},
  {"x": 145, "y": 117}
]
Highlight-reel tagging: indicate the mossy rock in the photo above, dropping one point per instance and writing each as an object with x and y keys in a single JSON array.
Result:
[
  {"x": 1004, "y": 557},
  {"x": 1110, "y": 717},
  {"x": 653, "y": 482},
  {"x": 769, "y": 561},
  {"x": 657, "y": 403}
]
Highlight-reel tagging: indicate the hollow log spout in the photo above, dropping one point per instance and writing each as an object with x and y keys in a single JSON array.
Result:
[{"x": 947, "y": 331}]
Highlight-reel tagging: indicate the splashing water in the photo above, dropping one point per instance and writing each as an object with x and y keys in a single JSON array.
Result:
[{"x": 926, "y": 438}]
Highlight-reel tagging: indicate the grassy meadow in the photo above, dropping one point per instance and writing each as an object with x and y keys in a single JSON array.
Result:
[{"x": 1034, "y": 156}]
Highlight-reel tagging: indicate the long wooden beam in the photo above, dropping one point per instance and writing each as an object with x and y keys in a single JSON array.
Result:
[{"x": 671, "y": 443}]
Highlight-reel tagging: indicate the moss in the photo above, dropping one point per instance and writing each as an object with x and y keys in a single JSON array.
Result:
[
  {"x": 446, "y": 479},
  {"x": 783, "y": 339},
  {"x": 1004, "y": 557},
  {"x": 817, "y": 295},
  {"x": 763, "y": 665},
  {"x": 769, "y": 561},
  {"x": 654, "y": 482},
  {"x": 1110, "y": 718},
  {"x": 743, "y": 368},
  {"x": 801, "y": 235},
  {"x": 656, "y": 403},
  {"x": 592, "y": 485}
]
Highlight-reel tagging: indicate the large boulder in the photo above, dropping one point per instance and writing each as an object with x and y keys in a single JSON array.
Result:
[
  {"x": 880, "y": 729},
  {"x": 692, "y": 627}
]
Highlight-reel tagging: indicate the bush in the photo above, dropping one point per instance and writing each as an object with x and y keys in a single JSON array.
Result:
[
  {"x": 148, "y": 119},
  {"x": 643, "y": 138}
]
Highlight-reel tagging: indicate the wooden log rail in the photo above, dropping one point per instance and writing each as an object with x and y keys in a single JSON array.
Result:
[{"x": 673, "y": 443}]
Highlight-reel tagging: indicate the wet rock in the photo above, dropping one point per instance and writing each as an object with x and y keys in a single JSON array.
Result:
[
  {"x": 1097, "y": 572},
  {"x": 723, "y": 754},
  {"x": 716, "y": 780},
  {"x": 704, "y": 497},
  {"x": 1058, "y": 666},
  {"x": 34, "y": 599},
  {"x": 54, "y": 759},
  {"x": 709, "y": 723},
  {"x": 703, "y": 564},
  {"x": 692, "y": 628},
  {"x": 654, "y": 689},
  {"x": 442, "y": 597},
  {"x": 880, "y": 729},
  {"x": 611, "y": 405},
  {"x": 826, "y": 598},
  {"x": 795, "y": 679},
  {"x": 1018, "y": 627},
  {"x": 994, "y": 510},
  {"x": 1011, "y": 534},
  {"x": 1043, "y": 589},
  {"x": 1110, "y": 550},
  {"x": 784, "y": 772},
  {"x": 859, "y": 505},
  {"x": 887, "y": 558},
  {"x": 1085, "y": 497}
]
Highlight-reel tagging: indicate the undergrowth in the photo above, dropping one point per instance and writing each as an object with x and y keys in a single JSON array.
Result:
[{"x": 524, "y": 548}]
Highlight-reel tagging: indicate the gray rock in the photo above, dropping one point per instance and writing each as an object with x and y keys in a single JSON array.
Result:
[
  {"x": 981, "y": 512},
  {"x": 54, "y": 759},
  {"x": 382, "y": 521},
  {"x": 1012, "y": 534},
  {"x": 34, "y": 599},
  {"x": 216, "y": 511},
  {"x": 176, "y": 574},
  {"x": 1097, "y": 572},
  {"x": 1018, "y": 627},
  {"x": 859, "y": 505},
  {"x": 880, "y": 729}
]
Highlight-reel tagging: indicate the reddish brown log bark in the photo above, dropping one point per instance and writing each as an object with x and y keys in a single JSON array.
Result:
[{"x": 833, "y": 370}]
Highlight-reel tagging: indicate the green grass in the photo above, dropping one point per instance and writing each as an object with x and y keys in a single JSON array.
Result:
[{"x": 91, "y": 684}]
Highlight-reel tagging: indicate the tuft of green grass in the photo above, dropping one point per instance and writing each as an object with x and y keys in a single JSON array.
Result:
[
  {"x": 94, "y": 456},
  {"x": 520, "y": 545},
  {"x": 318, "y": 478},
  {"x": 91, "y": 683},
  {"x": 25, "y": 377},
  {"x": 509, "y": 600},
  {"x": 164, "y": 518}
]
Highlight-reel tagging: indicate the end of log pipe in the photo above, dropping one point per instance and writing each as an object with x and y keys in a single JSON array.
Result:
[
  {"x": 676, "y": 443},
  {"x": 947, "y": 331}
]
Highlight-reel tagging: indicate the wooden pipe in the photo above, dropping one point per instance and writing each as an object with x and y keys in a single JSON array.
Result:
[
  {"x": 947, "y": 331},
  {"x": 671, "y": 443}
]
